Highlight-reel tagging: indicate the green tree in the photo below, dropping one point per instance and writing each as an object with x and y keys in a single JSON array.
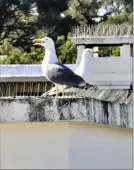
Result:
[
  {"x": 18, "y": 56},
  {"x": 84, "y": 11},
  {"x": 50, "y": 17},
  {"x": 109, "y": 51},
  {"x": 16, "y": 22},
  {"x": 121, "y": 18},
  {"x": 67, "y": 51},
  {"x": 18, "y": 26},
  {"x": 92, "y": 11},
  {"x": 5, "y": 48}
]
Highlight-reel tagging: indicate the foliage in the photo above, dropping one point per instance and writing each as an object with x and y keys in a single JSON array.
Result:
[
  {"x": 50, "y": 17},
  {"x": 19, "y": 25},
  {"x": 109, "y": 51},
  {"x": 15, "y": 21},
  {"x": 6, "y": 48},
  {"x": 121, "y": 18},
  {"x": 18, "y": 56},
  {"x": 67, "y": 50},
  {"x": 84, "y": 11},
  {"x": 92, "y": 11}
]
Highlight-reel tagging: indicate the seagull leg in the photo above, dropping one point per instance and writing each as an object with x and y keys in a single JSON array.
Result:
[
  {"x": 56, "y": 91},
  {"x": 63, "y": 92}
]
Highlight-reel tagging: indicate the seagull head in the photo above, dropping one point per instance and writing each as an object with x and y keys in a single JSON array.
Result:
[
  {"x": 87, "y": 52},
  {"x": 46, "y": 42}
]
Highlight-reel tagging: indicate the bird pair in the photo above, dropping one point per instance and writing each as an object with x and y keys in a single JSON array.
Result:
[{"x": 57, "y": 73}]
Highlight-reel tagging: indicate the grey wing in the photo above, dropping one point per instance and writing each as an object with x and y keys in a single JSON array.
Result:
[{"x": 62, "y": 75}]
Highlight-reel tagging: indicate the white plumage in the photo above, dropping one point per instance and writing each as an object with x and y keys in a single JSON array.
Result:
[{"x": 83, "y": 69}]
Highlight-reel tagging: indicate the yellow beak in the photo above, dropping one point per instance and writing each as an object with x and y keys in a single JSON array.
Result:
[{"x": 37, "y": 41}]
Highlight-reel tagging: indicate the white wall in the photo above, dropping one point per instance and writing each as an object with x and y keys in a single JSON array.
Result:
[
  {"x": 64, "y": 145},
  {"x": 24, "y": 70},
  {"x": 109, "y": 70},
  {"x": 116, "y": 70}
]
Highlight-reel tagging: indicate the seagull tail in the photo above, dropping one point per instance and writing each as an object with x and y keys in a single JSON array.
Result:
[{"x": 88, "y": 85}]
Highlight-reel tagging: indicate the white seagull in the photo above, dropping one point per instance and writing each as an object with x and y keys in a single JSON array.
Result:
[
  {"x": 83, "y": 69},
  {"x": 57, "y": 73}
]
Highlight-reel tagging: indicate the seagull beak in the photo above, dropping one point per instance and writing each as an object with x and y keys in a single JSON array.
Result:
[{"x": 37, "y": 41}]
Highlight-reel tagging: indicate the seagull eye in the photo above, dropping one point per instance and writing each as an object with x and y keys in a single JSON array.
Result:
[{"x": 46, "y": 39}]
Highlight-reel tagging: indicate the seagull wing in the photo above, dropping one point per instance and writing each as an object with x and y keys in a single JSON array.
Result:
[{"x": 62, "y": 75}]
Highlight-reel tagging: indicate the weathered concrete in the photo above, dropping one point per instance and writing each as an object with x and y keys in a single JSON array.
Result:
[{"x": 33, "y": 109}]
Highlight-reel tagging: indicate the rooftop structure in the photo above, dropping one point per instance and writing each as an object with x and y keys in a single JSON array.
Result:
[{"x": 107, "y": 71}]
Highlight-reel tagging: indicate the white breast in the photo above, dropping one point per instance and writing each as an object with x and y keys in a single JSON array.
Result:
[{"x": 49, "y": 58}]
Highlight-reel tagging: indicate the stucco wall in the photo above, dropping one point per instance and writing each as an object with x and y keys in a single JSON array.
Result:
[
  {"x": 36, "y": 109},
  {"x": 65, "y": 145}
]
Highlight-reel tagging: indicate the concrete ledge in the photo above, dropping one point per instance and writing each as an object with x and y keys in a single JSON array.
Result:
[
  {"x": 24, "y": 79},
  {"x": 33, "y": 109},
  {"x": 103, "y": 40},
  {"x": 24, "y": 72}
]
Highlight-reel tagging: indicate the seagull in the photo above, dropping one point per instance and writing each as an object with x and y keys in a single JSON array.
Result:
[
  {"x": 83, "y": 69},
  {"x": 55, "y": 72}
]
